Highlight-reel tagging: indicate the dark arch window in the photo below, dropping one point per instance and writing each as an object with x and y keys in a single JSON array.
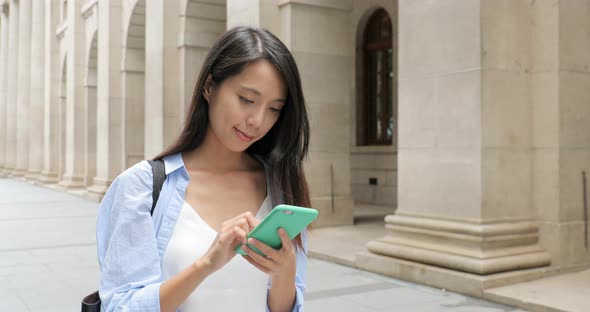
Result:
[{"x": 377, "y": 109}]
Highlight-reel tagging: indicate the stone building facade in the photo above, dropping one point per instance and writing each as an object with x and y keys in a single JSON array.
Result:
[{"x": 468, "y": 121}]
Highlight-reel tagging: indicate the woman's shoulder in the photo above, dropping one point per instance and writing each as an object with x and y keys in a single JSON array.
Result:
[
  {"x": 130, "y": 188},
  {"x": 138, "y": 174},
  {"x": 141, "y": 168}
]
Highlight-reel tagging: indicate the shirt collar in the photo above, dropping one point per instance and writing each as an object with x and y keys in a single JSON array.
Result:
[{"x": 173, "y": 162}]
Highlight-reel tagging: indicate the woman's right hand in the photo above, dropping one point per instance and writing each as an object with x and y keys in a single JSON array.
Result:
[
  {"x": 233, "y": 233},
  {"x": 176, "y": 289}
]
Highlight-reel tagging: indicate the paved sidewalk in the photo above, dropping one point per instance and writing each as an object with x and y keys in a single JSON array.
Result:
[
  {"x": 48, "y": 263},
  {"x": 563, "y": 292}
]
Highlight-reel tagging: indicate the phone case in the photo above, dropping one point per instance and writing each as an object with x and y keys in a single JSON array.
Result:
[{"x": 291, "y": 218}]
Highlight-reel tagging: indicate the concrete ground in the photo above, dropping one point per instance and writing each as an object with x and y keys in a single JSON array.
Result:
[
  {"x": 48, "y": 263},
  {"x": 564, "y": 292}
]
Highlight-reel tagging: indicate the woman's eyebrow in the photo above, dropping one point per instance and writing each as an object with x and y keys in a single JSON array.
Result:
[
  {"x": 282, "y": 100},
  {"x": 251, "y": 90}
]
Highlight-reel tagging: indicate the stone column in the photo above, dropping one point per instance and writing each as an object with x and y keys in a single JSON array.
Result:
[
  {"x": 4, "y": 8},
  {"x": 318, "y": 37},
  {"x": 133, "y": 83},
  {"x": 465, "y": 211},
  {"x": 154, "y": 82},
  {"x": 163, "y": 98},
  {"x": 37, "y": 75},
  {"x": 574, "y": 134},
  {"x": 12, "y": 85},
  {"x": 89, "y": 13},
  {"x": 109, "y": 123},
  {"x": 260, "y": 13},
  {"x": 73, "y": 176},
  {"x": 560, "y": 80},
  {"x": 133, "y": 86},
  {"x": 23, "y": 120},
  {"x": 90, "y": 135},
  {"x": 200, "y": 25},
  {"x": 51, "y": 75}
]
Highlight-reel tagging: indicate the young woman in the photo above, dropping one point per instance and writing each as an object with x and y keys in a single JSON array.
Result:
[{"x": 240, "y": 154}]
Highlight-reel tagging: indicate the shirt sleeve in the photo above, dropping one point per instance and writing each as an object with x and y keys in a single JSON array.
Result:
[
  {"x": 130, "y": 276},
  {"x": 300, "y": 276}
]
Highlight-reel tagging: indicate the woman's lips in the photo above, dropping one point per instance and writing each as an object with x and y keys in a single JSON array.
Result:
[{"x": 243, "y": 136}]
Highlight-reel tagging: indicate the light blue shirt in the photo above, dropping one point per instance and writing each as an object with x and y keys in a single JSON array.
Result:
[{"x": 131, "y": 243}]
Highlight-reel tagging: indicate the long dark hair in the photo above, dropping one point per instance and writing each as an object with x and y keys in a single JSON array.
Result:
[{"x": 285, "y": 146}]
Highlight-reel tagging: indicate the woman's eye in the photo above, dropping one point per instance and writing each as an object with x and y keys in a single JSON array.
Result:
[
  {"x": 245, "y": 100},
  {"x": 277, "y": 110}
]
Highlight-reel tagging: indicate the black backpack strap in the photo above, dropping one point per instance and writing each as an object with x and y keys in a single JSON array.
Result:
[{"x": 159, "y": 174}]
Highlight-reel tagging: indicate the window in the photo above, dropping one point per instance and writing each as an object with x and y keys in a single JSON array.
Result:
[{"x": 377, "y": 109}]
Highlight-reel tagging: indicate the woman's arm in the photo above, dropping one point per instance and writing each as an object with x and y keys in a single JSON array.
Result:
[
  {"x": 282, "y": 285},
  {"x": 282, "y": 294},
  {"x": 287, "y": 268},
  {"x": 126, "y": 244},
  {"x": 175, "y": 290}
]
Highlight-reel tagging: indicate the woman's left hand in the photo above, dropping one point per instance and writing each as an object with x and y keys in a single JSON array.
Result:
[{"x": 280, "y": 262}]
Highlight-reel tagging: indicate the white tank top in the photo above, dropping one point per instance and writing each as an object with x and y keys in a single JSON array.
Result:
[{"x": 238, "y": 286}]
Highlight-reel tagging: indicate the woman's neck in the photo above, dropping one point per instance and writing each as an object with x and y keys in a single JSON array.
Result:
[{"x": 212, "y": 155}]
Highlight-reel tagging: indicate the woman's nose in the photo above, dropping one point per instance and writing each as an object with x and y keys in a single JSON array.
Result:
[{"x": 256, "y": 118}]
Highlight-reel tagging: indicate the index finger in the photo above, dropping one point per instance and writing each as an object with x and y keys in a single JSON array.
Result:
[{"x": 252, "y": 222}]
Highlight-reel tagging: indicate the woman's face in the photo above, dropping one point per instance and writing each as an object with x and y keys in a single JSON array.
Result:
[{"x": 244, "y": 107}]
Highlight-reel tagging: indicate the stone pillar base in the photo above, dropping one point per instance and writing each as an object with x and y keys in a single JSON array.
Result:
[
  {"x": 10, "y": 173},
  {"x": 18, "y": 173},
  {"x": 48, "y": 177},
  {"x": 461, "y": 282},
  {"x": 468, "y": 247},
  {"x": 341, "y": 214},
  {"x": 72, "y": 182},
  {"x": 98, "y": 188},
  {"x": 32, "y": 176}
]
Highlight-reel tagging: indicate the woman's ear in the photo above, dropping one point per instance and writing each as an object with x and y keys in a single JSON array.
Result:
[{"x": 208, "y": 89}]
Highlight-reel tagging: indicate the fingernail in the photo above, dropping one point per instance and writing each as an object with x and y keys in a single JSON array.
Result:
[{"x": 251, "y": 241}]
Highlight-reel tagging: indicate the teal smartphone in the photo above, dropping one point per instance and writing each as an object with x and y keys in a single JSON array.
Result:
[{"x": 291, "y": 218}]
